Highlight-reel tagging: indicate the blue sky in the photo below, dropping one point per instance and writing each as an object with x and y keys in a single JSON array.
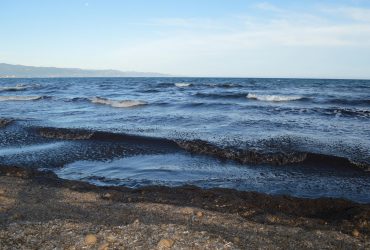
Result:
[{"x": 305, "y": 38}]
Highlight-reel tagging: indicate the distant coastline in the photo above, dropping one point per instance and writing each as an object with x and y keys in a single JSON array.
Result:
[{"x": 21, "y": 71}]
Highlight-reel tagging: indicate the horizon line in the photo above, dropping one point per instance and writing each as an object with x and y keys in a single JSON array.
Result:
[{"x": 166, "y": 75}]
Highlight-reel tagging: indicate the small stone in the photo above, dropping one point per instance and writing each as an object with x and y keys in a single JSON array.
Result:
[
  {"x": 355, "y": 233},
  {"x": 129, "y": 199},
  {"x": 199, "y": 214},
  {"x": 104, "y": 246},
  {"x": 107, "y": 196},
  {"x": 90, "y": 239},
  {"x": 187, "y": 210},
  {"x": 236, "y": 240},
  {"x": 111, "y": 238},
  {"x": 248, "y": 213},
  {"x": 165, "y": 243},
  {"x": 364, "y": 223},
  {"x": 272, "y": 218},
  {"x": 2, "y": 191}
]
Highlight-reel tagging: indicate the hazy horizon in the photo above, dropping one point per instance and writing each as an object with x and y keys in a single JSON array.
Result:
[
  {"x": 269, "y": 39},
  {"x": 163, "y": 75}
]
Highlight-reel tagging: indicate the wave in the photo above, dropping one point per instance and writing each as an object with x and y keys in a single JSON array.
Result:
[
  {"x": 20, "y": 98},
  {"x": 200, "y": 147},
  {"x": 331, "y": 111},
  {"x": 118, "y": 104},
  {"x": 349, "y": 101},
  {"x": 77, "y": 99},
  {"x": 222, "y": 95},
  {"x": 183, "y": 84},
  {"x": 224, "y": 85},
  {"x": 18, "y": 87},
  {"x": 274, "y": 98},
  {"x": 85, "y": 134},
  {"x": 245, "y": 156},
  {"x": 347, "y": 112}
]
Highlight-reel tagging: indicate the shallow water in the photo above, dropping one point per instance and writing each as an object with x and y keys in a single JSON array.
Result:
[
  {"x": 180, "y": 169},
  {"x": 329, "y": 117}
]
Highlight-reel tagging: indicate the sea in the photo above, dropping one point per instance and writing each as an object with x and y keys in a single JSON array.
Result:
[{"x": 306, "y": 138}]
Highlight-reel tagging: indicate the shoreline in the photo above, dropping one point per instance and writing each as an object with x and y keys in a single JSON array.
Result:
[{"x": 33, "y": 201}]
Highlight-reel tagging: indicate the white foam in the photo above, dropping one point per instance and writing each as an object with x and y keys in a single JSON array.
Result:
[
  {"x": 19, "y": 98},
  {"x": 117, "y": 104},
  {"x": 182, "y": 84},
  {"x": 14, "y": 88},
  {"x": 273, "y": 98}
]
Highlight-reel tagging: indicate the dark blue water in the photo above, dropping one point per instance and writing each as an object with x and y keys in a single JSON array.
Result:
[{"x": 326, "y": 117}]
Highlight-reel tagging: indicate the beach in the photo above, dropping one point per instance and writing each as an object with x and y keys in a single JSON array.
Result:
[
  {"x": 184, "y": 125},
  {"x": 184, "y": 163},
  {"x": 41, "y": 211}
]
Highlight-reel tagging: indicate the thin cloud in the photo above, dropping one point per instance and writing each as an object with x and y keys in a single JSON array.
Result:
[
  {"x": 269, "y": 7},
  {"x": 355, "y": 14},
  {"x": 194, "y": 43}
]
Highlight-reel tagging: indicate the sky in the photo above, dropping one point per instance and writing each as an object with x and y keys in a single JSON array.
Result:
[{"x": 228, "y": 38}]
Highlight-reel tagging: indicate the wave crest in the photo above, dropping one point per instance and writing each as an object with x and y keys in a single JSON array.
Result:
[
  {"x": 14, "y": 88},
  {"x": 118, "y": 104},
  {"x": 273, "y": 98},
  {"x": 182, "y": 84},
  {"x": 19, "y": 98}
]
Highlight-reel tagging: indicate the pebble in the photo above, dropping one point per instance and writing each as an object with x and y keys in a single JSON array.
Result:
[
  {"x": 90, "y": 239},
  {"x": 165, "y": 243},
  {"x": 272, "y": 218},
  {"x": 236, "y": 240},
  {"x": 199, "y": 214},
  {"x": 2, "y": 191},
  {"x": 248, "y": 213},
  {"x": 355, "y": 233},
  {"x": 107, "y": 196},
  {"x": 111, "y": 238},
  {"x": 104, "y": 246},
  {"x": 187, "y": 210}
]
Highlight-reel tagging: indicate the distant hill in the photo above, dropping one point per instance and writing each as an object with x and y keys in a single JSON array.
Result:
[{"x": 21, "y": 71}]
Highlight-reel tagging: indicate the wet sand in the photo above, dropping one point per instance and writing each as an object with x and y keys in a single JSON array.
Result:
[{"x": 38, "y": 210}]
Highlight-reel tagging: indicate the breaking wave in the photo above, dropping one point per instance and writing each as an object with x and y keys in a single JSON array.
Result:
[
  {"x": 118, "y": 103},
  {"x": 20, "y": 98},
  {"x": 18, "y": 87},
  {"x": 274, "y": 98},
  {"x": 183, "y": 84}
]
